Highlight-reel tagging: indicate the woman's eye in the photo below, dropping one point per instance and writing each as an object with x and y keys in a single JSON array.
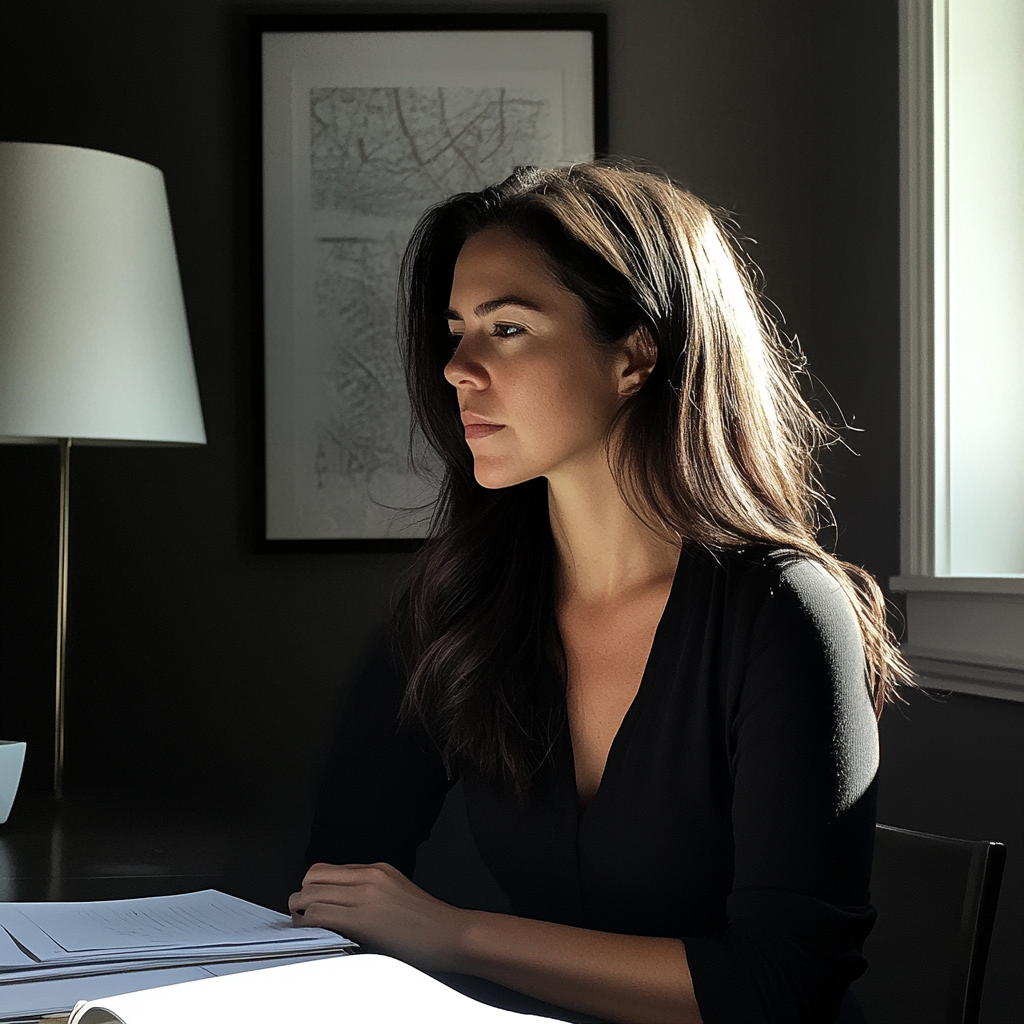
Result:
[{"x": 507, "y": 330}]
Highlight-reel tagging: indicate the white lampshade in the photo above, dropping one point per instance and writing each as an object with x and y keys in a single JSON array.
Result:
[{"x": 94, "y": 343}]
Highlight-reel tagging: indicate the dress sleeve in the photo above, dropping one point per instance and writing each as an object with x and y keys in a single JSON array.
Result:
[
  {"x": 803, "y": 746},
  {"x": 384, "y": 783}
]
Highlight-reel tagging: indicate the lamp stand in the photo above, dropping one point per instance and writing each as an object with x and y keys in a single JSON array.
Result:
[{"x": 64, "y": 446}]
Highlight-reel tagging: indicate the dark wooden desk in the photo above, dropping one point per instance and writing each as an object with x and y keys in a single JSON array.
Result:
[{"x": 98, "y": 845}]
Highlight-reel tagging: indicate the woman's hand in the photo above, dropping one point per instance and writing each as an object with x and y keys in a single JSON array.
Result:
[{"x": 376, "y": 904}]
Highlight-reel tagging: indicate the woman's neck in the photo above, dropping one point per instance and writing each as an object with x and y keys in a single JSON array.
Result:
[{"x": 605, "y": 552}]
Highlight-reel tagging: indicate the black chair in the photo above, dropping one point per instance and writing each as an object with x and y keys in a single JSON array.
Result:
[{"x": 936, "y": 901}]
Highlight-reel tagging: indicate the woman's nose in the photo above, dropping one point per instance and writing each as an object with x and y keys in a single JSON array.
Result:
[{"x": 463, "y": 370}]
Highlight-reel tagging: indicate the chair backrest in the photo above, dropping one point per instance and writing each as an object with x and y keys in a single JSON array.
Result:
[{"x": 936, "y": 901}]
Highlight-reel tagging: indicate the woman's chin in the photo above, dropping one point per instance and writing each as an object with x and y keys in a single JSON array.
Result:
[
  {"x": 493, "y": 482},
  {"x": 494, "y": 478}
]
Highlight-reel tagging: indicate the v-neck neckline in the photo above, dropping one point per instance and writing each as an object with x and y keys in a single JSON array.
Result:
[{"x": 626, "y": 726}]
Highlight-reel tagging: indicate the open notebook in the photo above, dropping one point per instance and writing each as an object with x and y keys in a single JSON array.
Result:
[{"x": 361, "y": 989}]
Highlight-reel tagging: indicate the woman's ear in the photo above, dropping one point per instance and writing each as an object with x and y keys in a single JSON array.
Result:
[{"x": 639, "y": 354}]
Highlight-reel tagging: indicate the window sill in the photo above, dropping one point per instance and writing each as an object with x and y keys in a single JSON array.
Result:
[
  {"x": 935, "y": 670},
  {"x": 1004, "y": 584},
  {"x": 966, "y": 634}
]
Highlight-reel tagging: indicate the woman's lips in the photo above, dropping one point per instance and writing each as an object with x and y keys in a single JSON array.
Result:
[{"x": 477, "y": 430}]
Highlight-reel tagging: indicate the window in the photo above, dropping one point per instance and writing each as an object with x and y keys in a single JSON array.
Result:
[{"x": 962, "y": 238}]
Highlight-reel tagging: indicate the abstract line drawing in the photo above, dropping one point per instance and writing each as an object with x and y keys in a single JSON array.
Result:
[
  {"x": 389, "y": 152},
  {"x": 368, "y": 425}
]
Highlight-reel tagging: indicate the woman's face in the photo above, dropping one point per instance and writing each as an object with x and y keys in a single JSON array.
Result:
[{"x": 535, "y": 393}]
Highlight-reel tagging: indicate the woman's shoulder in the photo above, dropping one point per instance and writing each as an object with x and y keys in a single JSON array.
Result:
[
  {"x": 772, "y": 582},
  {"x": 766, "y": 565},
  {"x": 787, "y": 639}
]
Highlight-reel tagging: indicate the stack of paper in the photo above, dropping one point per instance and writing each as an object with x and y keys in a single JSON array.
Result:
[{"x": 53, "y": 954}]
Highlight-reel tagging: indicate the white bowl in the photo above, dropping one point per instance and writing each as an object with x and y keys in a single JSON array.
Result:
[{"x": 12, "y": 758}]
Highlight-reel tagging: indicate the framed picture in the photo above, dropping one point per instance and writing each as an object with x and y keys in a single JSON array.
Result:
[{"x": 362, "y": 122}]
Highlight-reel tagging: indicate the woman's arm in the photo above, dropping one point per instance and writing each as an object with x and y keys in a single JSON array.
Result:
[{"x": 627, "y": 978}]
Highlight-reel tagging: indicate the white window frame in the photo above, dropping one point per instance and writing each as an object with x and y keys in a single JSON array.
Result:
[{"x": 965, "y": 634}]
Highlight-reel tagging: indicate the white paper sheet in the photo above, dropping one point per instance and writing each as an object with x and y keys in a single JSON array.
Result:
[
  {"x": 11, "y": 954},
  {"x": 161, "y": 922}
]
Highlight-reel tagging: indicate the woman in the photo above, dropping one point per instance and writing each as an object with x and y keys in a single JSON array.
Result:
[{"x": 658, "y": 690}]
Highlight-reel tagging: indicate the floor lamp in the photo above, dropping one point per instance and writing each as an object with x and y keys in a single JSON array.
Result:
[{"x": 94, "y": 345}]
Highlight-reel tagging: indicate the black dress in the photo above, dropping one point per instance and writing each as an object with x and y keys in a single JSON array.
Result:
[{"x": 736, "y": 810}]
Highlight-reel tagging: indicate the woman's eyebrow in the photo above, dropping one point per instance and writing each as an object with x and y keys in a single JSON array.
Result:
[{"x": 492, "y": 304}]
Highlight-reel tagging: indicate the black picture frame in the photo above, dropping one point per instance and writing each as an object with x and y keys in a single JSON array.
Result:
[{"x": 305, "y": 351}]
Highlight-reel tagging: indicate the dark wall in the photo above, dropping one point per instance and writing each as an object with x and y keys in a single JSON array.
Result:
[{"x": 194, "y": 660}]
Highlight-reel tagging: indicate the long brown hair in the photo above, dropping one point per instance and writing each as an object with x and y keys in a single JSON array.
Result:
[{"x": 716, "y": 449}]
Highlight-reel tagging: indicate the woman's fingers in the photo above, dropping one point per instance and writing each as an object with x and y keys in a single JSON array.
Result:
[
  {"x": 339, "y": 895},
  {"x": 348, "y": 874},
  {"x": 376, "y": 903},
  {"x": 348, "y": 885},
  {"x": 342, "y": 884},
  {"x": 333, "y": 916}
]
